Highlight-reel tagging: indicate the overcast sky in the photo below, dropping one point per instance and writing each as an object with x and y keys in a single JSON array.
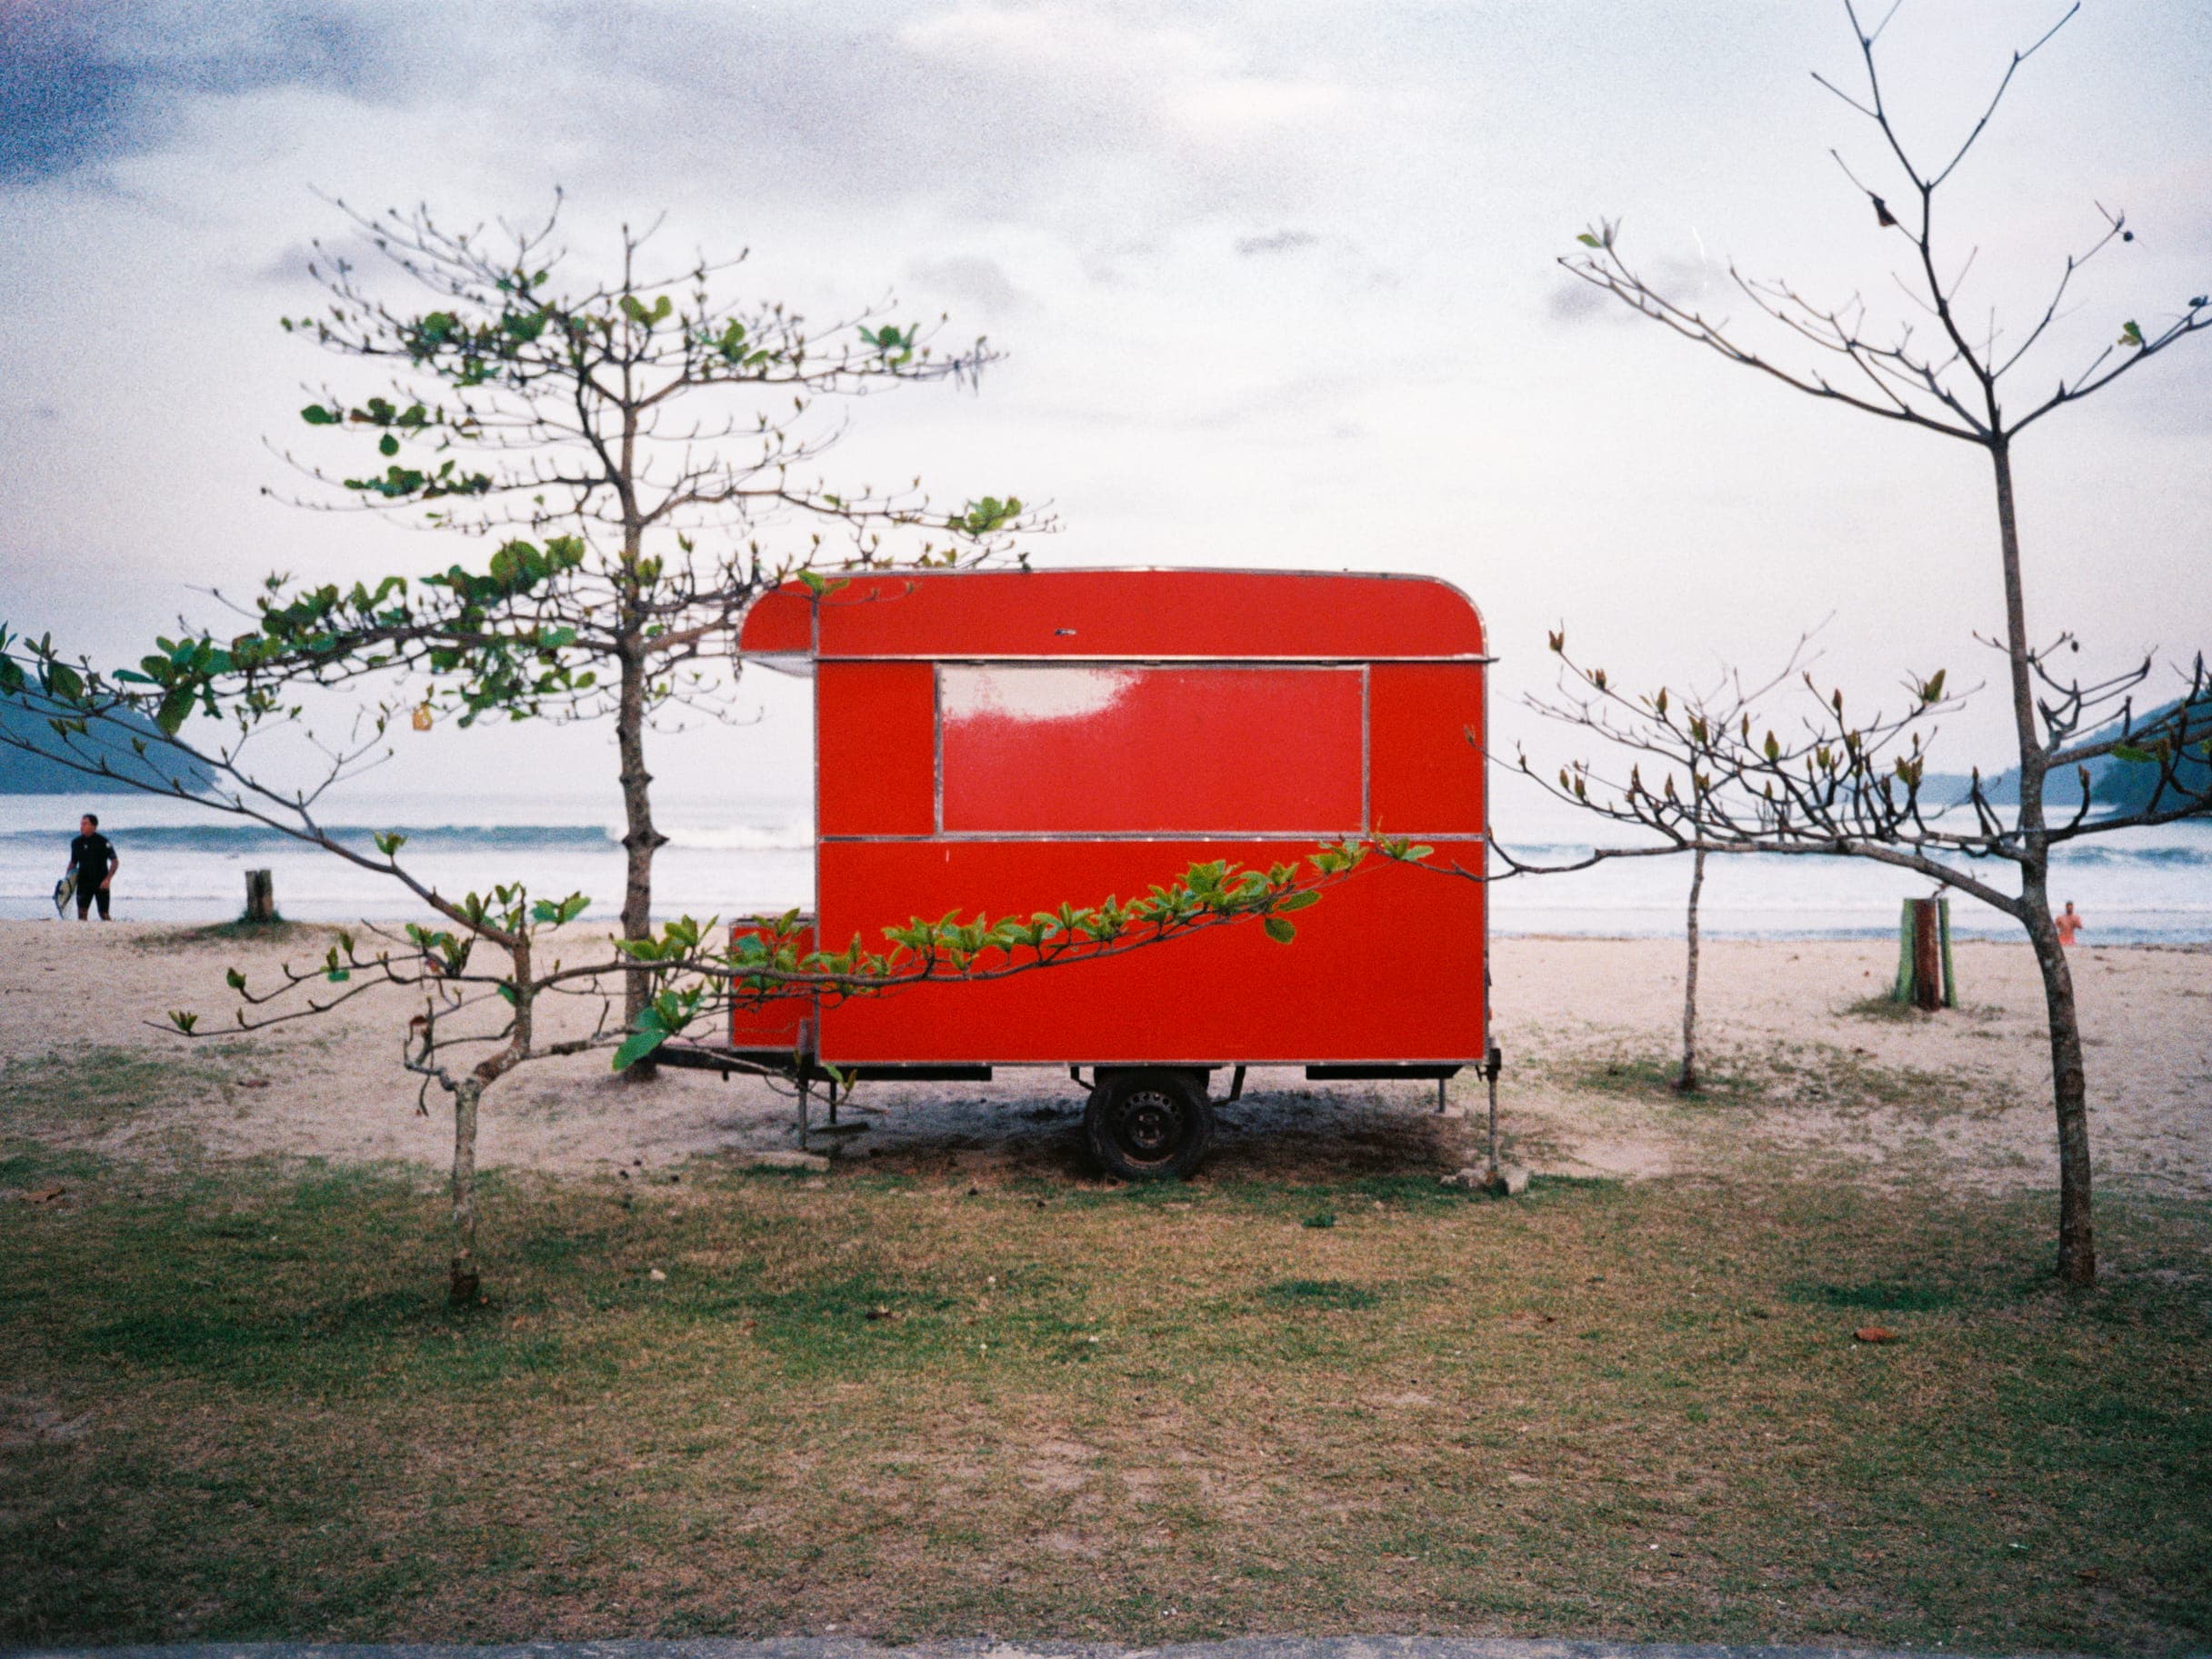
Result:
[{"x": 1276, "y": 282}]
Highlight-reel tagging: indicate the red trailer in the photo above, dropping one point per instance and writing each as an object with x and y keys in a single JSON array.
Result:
[{"x": 1005, "y": 741}]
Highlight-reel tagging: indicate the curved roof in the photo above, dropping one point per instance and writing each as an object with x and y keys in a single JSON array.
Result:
[{"x": 1323, "y": 615}]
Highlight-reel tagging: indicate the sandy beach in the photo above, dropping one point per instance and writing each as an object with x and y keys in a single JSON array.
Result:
[{"x": 1799, "y": 1081}]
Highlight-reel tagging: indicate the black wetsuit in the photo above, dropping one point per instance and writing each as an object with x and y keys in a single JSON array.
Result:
[{"x": 95, "y": 859}]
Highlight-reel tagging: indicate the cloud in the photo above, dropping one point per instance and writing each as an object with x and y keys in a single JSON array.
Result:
[
  {"x": 1569, "y": 299},
  {"x": 1277, "y": 241},
  {"x": 1098, "y": 119},
  {"x": 77, "y": 88},
  {"x": 972, "y": 279},
  {"x": 1573, "y": 301},
  {"x": 59, "y": 102}
]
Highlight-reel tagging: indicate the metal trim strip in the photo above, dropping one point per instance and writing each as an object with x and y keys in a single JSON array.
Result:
[
  {"x": 988, "y": 837},
  {"x": 1189, "y": 1060},
  {"x": 1366, "y": 748},
  {"x": 1125, "y": 659}
]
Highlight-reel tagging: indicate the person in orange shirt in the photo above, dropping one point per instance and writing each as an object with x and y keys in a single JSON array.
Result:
[{"x": 2068, "y": 924}]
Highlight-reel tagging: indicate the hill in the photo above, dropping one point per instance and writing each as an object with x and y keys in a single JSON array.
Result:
[
  {"x": 21, "y": 772},
  {"x": 2114, "y": 786}
]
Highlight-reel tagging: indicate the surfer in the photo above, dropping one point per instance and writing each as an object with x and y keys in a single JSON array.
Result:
[
  {"x": 93, "y": 862},
  {"x": 2068, "y": 923}
]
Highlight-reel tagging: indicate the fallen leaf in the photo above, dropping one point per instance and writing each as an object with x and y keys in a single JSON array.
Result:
[
  {"x": 1874, "y": 1333},
  {"x": 45, "y": 1195}
]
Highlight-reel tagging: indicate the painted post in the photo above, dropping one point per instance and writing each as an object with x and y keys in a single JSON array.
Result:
[
  {"x": 1926, "y": 974},
  {"x": 1950, "y": 979},
  {"x": 1927, "y": 956}
]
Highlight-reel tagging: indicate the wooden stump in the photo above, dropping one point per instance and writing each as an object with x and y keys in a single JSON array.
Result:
[{"x": 260, "y": 895}]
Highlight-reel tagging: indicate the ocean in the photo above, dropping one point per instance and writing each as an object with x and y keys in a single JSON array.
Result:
[{"x": 183, "y": 862}]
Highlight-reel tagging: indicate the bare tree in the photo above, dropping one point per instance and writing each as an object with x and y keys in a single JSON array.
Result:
[
  {"x": 1686, "y": 1081},
  {"x": 644, "y": 451},
  {"x": 1840, "y": 787}
]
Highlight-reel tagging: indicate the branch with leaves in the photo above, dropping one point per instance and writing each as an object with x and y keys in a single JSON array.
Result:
[
  {"x": 476, "y": 978},
  {"x": 645, "y": 453}
]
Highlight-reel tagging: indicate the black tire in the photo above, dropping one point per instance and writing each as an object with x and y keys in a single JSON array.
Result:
[{"x": 1149, "y": 1126}]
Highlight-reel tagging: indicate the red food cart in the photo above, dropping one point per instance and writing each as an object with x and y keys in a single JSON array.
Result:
[{"x": 1007, "y": 741}]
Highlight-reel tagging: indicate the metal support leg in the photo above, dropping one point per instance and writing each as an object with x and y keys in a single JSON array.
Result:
[
  {"x": 1493, "y": 1064},
  {"x": 805, "y": 1102}
]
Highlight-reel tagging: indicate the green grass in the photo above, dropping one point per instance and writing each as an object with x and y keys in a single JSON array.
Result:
[
  {"x": 239, "y": 930},
  {"x": 234, "y": 1407},
  {"x": 53, "y": 1107},
  {"x": 1652, "y": 1077},
  {"x": 1787, "y": 1073},
  {"x": 1886, "y": 1008}
]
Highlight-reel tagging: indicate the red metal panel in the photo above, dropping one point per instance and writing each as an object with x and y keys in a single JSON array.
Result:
[
  {"x": 1148, "y": 614},
  {"x": 774, "y": 1024},
  {"x": 875, "y": 749},
  {"x": 1121, "y": 748},
  {"x": 1426, "y": 777},
  {"x": 1387, "y": 967},
  {"x": 780, "y": 623}
]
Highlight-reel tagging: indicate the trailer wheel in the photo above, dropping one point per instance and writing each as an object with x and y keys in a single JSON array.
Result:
[{"x": 1148, "y": 1126}]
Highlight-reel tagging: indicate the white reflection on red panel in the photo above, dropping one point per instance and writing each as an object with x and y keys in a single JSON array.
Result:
[{"x": 1126, "y": 750}]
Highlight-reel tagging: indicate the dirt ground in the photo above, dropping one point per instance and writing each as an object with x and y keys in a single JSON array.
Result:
[{"x": 1796, "y": 1075}]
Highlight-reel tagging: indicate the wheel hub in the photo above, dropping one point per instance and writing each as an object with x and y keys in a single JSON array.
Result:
[{"x": 1150, "y": 1123}]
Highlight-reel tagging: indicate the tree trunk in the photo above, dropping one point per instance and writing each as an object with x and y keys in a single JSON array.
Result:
[
  {"x": 1686, "y": 1083},
  {"x": 2069, "y": 1082},
  {"x": 462, "y": 1283},
  {"x": 2069, "y": 1087},
  {"x": 640, "y": 839}
]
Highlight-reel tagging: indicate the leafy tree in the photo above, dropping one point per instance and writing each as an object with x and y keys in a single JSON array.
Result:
[
  {"x": 1730, "y": 778},
  {"x": 481, "y": 989},
  {"x": 642, "y": 448}
]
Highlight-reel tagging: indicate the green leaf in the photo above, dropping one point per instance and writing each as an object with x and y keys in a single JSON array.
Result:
[
  {"x": 170, "y": 715},
  {"x": 1298, "y": 901},
  {"x": 1280, "y": 930},
  {"x": 1589, "y": 241},
  {"x": 2130, "y": 334},
  {"x": 387, "y": 445},
  {"x": 314, "y": 415},
  {"x": 2128, "y": 751},
  {"x": 636, "y": 1047}
]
